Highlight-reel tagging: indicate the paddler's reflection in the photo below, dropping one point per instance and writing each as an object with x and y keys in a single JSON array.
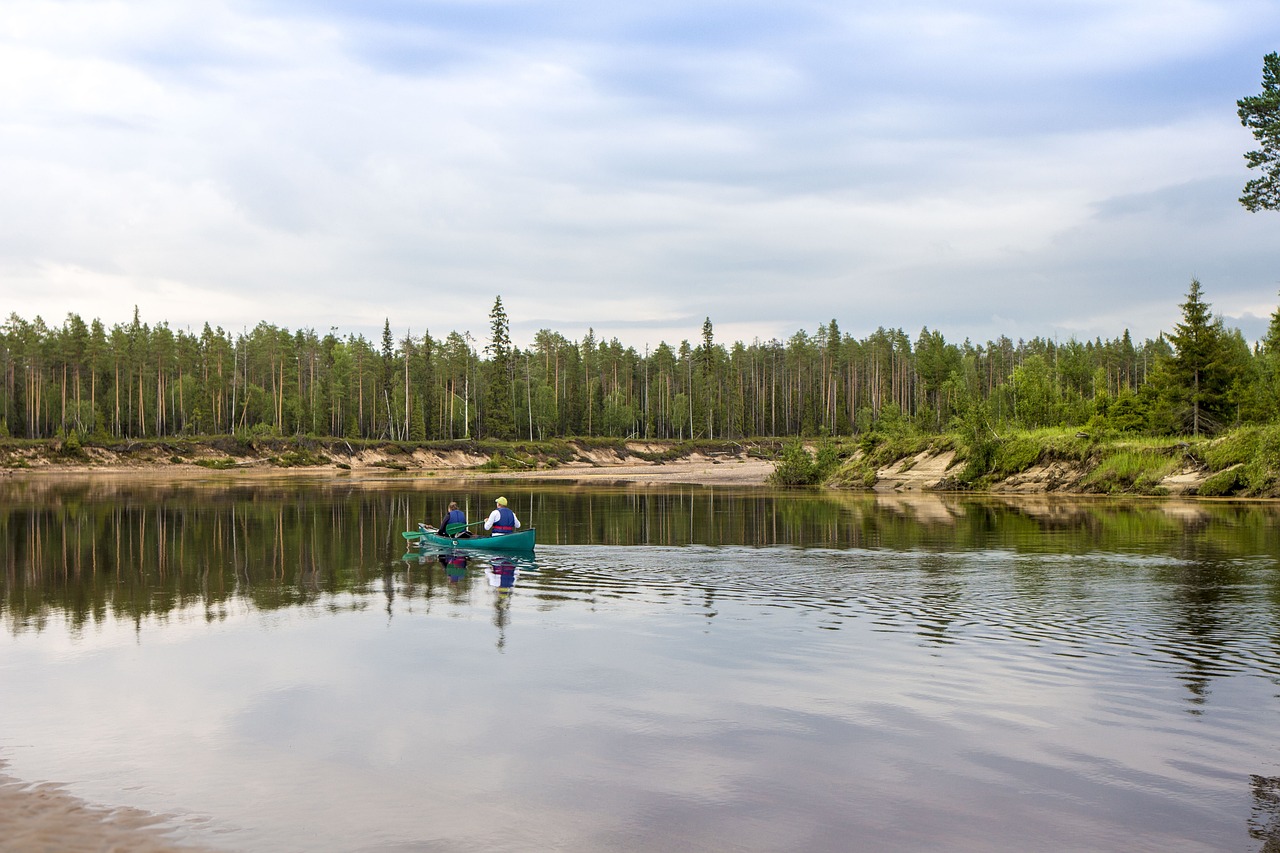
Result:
[
  {"x": 501, "y": 573},
  {"x": 455, "y": 566}
]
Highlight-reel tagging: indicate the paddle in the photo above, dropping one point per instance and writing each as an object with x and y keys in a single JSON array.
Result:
[
  {"x": 423, "y": 530},
  {"x": 472, "y": 524}
]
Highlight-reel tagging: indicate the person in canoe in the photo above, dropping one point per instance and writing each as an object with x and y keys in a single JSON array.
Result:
[
  {"x": 501, "y": 520},
  {"x": 454, "y": 523}
]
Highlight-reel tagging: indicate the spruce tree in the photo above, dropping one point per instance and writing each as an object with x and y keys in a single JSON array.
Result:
[
  {"x": 1196, "y": 373},
  {"x": 499, "y": 421}
]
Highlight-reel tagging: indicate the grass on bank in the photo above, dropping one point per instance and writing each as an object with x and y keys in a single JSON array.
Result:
[{"x": 1244, "y": 462}]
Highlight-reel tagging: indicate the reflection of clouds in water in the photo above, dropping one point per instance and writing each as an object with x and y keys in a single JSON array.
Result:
[
  {"x": 969, "y": 663},
  {"x": 618, "y": 712}
]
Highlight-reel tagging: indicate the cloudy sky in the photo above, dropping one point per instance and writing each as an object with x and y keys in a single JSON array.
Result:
[{"x": 980, "y": 167}]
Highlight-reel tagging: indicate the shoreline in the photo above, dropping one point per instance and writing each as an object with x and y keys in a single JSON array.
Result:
[
  {"x": 751, "y": 472},
  {"x": 721, "y": 463},
  {"x": 578, "y": 461}
]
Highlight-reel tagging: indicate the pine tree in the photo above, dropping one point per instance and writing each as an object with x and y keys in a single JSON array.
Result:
[{"x": 1261, "y": 114}]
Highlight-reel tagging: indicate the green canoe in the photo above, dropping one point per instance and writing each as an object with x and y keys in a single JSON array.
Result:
[{"x": 521, "y": 540}]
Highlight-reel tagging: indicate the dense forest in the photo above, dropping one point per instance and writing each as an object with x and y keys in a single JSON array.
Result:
[{"x": 137, "y": 380}]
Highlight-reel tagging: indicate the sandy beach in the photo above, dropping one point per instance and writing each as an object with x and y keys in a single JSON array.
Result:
[{"x": 695, "y": 469}]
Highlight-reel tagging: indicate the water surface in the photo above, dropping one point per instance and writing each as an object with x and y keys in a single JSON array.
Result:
[{"x": 685, "y": 668}]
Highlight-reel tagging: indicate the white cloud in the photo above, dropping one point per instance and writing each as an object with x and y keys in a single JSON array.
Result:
[{"x": 917, "y": 165}]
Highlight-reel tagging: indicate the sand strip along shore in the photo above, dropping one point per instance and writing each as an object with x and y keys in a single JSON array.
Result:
[{"x": 693, "y": 470}]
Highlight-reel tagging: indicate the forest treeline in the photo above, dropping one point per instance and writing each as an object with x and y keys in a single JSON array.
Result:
[{"x": 136, "y": 380}]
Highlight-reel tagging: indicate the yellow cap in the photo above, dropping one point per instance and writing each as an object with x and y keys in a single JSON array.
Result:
[{"x": 501, "y": 501}]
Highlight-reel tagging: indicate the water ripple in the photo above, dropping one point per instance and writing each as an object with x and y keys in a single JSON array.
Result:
[{"x": 1074, "y": 607}]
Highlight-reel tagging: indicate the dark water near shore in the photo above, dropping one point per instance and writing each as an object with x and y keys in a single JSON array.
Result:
[{"x": 675, "y": 668}]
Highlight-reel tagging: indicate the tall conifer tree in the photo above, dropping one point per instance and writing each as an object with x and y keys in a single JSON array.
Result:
[
  {"x": 1261, "y": 114},
  {"x": 499, "y": 420},
  {"x": 1196, "y": 371}
]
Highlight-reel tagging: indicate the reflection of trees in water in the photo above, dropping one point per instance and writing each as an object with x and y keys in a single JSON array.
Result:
[
  {"x": 90, "y": 551},
  {"x": 1208, "y": 589},
  {"x": 151, "y": 553},
  {"x": 1264, "y": 820},
  {"x": 941, "y": 599}
]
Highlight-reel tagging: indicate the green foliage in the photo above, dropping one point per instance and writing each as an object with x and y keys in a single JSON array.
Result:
[
  {"x": 1132, "y": 470},
  {"x": 300, "y": 458},
  {"x": 1015, "y": 455},
  {"x": 978, "y": 442},
  {"x": 889, "y": 389},
  {"x": 71, "y": 449},
  {"x": 509, "y": 462},
  {"x": 1235, "y": 448},
  {"x": 221, "y": 464},
  {"x": 1194, "y": 381},
  {"x": 798, "y": 467},
  {"x": 1122, "y": 413},
  {"x": 897, "y": 439},
  {"x": 1224, "y": 483},
  {"x": 1262, "y": 472},
  {"x": 1261, "y": 114},
  {"x": 257, "y": 431},
  {"x": 1033, "y": 392},
  {"x": 619, "y": 417}
]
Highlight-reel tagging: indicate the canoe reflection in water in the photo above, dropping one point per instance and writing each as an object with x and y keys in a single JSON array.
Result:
[{"x": 500, "y": 570}]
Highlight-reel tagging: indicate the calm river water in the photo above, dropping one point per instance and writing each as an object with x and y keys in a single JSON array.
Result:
[{"x": 674, "y": 669}]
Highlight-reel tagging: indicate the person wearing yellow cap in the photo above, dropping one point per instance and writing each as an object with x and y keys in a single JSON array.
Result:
[{"x": 501, "y": 520}]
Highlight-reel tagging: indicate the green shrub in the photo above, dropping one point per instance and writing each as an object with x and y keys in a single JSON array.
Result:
[
  {"x": 1015, "y": 455},
  {"x": 1132, "y": 470},
  {"x": 217, "y": 464},
  {"x": 1234, "y": 448},
  {"x": 301, "y": 458},
  {"x": 1223, "y": 483},
  {"x": 798, "y": 467},
  {"x": 70, "y": 448},
  {"x": 1263, "y": 470}
]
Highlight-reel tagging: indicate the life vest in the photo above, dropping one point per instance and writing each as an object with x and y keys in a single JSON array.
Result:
[
  {"x": 506, "y": 522},
  {"x": 454, "y": 522}
]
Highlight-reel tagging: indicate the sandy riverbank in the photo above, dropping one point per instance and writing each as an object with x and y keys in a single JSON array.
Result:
[
  {"x": 44, "y": 818},
  {"x": 695, "y": 469},
  {"x": 726, "y": 464},
  {"x": 629, "y": 463}
]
